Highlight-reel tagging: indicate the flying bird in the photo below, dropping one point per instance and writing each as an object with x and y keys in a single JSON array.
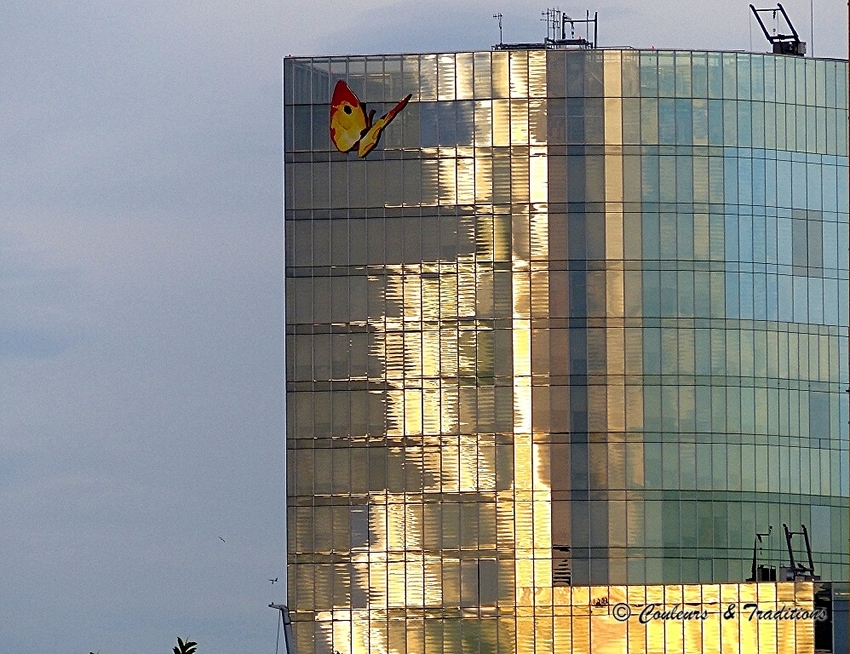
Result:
[
  {"x": 274, "y": 581},
  {"x": 351, "y": 126},
  {"x": 221, "y": 539}
]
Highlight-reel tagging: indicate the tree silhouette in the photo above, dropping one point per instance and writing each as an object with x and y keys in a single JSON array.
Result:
[{"x": 187, "y": 647}]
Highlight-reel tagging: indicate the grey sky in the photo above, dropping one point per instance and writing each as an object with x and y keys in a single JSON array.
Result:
[{"x": 141, "y": 326}]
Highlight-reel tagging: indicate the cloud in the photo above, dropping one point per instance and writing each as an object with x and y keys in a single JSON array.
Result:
[
  {"x": 35, "y": 343},
  {"x": 40, "y": 318},
  {"x": 156, "y": 108}
]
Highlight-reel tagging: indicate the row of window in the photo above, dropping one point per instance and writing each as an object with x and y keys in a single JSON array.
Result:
[
  {"x": 802, "y": 239},
  {"x": 757, "y": 358},
  {"x": 365, "y": 631},
  {"x": 550, "y": 179},
  {"x": 415, "y": 412},
  {"x": 745, "y": 467},
  {"x": 446, "y": 582},
  {"x": 522, "y": 74},
  {"x": 649, "y": 294},
  {"x": 648, "y": 121}
]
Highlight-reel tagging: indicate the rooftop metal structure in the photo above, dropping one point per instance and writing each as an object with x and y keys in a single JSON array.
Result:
[
  {"x": 557, "y": 36},
  {"x": 286, "y": 621},
  {"x": 789, "y": 44},
  {"x": 554, "y": 17}
]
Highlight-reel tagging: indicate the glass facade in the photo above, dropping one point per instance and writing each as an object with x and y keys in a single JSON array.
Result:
[{"x": 580, "y": 319}]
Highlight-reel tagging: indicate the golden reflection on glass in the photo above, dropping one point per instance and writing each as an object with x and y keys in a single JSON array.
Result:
[
  {"x": 448, "y": 181},
  {"x": 519, "y": 122},
  {"x": 465, "y": 88},
  {"x": 446, "y": 76},
  {"x": 483, "y": 116},
  {"x": 519, "y": 74},
  {"x": 500, "y": 83},
  {"x": 465, "y": 181},
  {"x": 538, "y": 172},
  {"x": 436, "y": 528},
  {"x": 537, "y": 74},
  {"x": 501, "y": 122},
  {"x": 519, "y": 179},
  {"x": 607, "y": 619},
  {"x": 427, "y": 81}
]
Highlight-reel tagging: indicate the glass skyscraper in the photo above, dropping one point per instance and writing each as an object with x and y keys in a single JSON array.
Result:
[{"x": 579, "y": 321}]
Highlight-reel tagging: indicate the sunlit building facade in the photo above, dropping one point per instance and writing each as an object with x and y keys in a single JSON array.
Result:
[{"x": 568, "y": 338}]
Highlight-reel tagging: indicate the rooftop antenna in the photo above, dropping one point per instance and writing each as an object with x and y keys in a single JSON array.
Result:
[
  {"x": 789, "y": 44},
  {"x": 552, "y": 18},
  {"x": 572, "y": 39}
]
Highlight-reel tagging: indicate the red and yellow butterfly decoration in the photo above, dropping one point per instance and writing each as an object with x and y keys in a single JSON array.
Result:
[{"x": 351, "y": 126}]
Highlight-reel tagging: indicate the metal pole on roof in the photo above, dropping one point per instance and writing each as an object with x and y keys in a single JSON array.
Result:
[{"x": 812, "y": 20}]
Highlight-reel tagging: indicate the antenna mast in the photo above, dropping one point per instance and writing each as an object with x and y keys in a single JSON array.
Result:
[
  {"x": 573, "y": 40},
  {"x": 555, "y": 18},
  {"x": 499, "y": 18}
]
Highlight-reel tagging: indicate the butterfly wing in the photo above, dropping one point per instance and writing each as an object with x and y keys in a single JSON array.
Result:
[
  {"x": 348, "y": 118},
  {"x": 373, "y": 134}
]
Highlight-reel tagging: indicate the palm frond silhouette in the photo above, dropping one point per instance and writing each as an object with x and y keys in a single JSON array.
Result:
[{"x": 185, "y": 647}]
